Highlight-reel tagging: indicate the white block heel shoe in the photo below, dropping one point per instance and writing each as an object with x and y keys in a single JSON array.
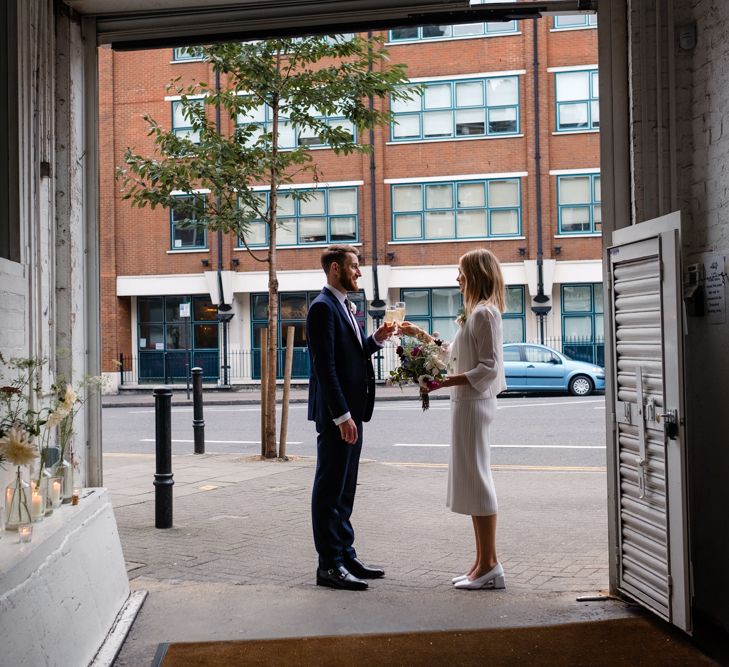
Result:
[
  {"x": 460, "y": 577},
  {"x": 494, "y": 579}
]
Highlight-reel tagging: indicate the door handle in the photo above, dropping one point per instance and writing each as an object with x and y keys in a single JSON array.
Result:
[{"x": 670, "y": 423}]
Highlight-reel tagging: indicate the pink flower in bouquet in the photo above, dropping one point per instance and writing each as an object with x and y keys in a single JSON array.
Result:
[{"x": 422, "y": 364}]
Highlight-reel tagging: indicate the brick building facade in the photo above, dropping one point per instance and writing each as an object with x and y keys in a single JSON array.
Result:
[{"x": 457, "y": 171}]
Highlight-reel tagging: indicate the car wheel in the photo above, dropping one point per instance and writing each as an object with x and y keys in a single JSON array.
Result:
[{"x": 581, "y": 385}]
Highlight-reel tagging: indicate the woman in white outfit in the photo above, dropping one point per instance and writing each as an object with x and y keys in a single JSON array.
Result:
[{"x": 476, "y": 378}]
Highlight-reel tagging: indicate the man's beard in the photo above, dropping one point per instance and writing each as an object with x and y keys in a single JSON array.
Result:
[{"x": 348, "y": 283}]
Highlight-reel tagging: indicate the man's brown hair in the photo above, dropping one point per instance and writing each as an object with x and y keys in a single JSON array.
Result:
[{"x": 335, "y": 254}]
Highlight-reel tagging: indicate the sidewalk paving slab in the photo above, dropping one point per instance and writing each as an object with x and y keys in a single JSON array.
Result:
[{"x": 240, "y": 561}]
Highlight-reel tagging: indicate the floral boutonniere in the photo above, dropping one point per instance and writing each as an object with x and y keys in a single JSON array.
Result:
[{"x": 352, "y": 308}]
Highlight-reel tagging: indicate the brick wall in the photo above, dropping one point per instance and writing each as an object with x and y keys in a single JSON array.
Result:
[{"x": 136, "y": 242}]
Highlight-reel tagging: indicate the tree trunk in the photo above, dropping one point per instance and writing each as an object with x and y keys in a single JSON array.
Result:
[{"x": 272, "y": 292}]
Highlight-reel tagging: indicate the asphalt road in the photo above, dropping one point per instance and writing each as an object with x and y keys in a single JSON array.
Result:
[{"x": 557, "y": 431}]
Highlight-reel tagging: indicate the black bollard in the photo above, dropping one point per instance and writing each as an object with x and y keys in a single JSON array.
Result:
[
  {"x": 163, "y": 481},
  {"x": 198, "y": 423}
]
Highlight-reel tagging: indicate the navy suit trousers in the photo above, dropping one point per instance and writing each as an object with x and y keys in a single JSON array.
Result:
[{"x": 332, "y": 499}]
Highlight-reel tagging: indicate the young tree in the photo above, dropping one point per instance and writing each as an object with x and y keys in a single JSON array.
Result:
[{"x": 298, "y": 84}]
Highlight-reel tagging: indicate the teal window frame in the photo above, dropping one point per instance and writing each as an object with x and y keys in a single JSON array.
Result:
[
  {"x": 454, "y": 108},
  {"x": 301, "y": 367},
  {"x": 595, "y": 226},
  {"x": 431, "y": 322},
  {"x": 171, "y": 362},
  {"x": 196, "y": 231},
  {"x": 512, "y": 315},
  {"x": 183, "y": 129},
  {"x": 455, "y": 208},
  {"x": 183, "y": 54},
  {"x": 488, "y": 29},
  {"x": 297, "y": 218},
  {"x": 587, "y": 348},
  {"x": 591, "y": 102},
  {"x": 266, "y": 124},
  {"x": 586, "y": 21}
]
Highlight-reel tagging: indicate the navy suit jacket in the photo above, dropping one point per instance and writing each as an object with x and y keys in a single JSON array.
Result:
[{"x": 342, "y": 377}]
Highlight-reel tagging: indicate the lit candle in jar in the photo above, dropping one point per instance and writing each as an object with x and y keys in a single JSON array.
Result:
[
  {"x": 8, "y": 496},
  {"x": 55, "y": 493},
  {"x": 37, "y": 507},
  {"x": 25, "y": 533},
  {"x": 76, "y": 495}
]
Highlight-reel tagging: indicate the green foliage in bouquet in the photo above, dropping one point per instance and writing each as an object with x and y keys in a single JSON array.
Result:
[{"x": 423, "y": 364}]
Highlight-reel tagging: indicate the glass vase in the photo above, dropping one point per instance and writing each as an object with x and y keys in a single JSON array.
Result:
[
  {"x": 17, "y": 503},
  {"x": 55, "y": 492},
  {"x": 64, "y": 470},
  {"x": 46, "y": 477},
  {"x": 37, "y": 500}
]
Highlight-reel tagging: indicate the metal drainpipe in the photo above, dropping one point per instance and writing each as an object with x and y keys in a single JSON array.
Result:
[
  {"x": 541, "y": 298},
  {"x": 377, "y": 302},
  {"x": 377, "y": 305},
  {"x": 223, "y": 315}
]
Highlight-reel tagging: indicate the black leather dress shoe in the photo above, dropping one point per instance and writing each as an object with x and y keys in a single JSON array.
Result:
[
  {"x": 339, "y": 577},
  {"x": 359, "y": 569}
]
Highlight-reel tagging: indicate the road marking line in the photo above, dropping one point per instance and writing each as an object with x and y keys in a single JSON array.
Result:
[
  {"x": 225, "y": 442},
  {"x": 414, "y": 444},
  {"x": 506, "y": 467},
  {"x": 501, "y": 405}
]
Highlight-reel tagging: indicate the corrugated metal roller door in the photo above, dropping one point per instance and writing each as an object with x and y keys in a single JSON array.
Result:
[{"x": 644, "y": 565}]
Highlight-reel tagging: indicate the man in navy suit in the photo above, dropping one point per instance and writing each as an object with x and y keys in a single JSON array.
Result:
[{"x": 341, "y": 398}]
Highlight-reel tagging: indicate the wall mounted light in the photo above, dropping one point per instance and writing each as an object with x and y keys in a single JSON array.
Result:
[
  {"x": 558, "y": 250},
  {"x": 235, "y": 261},
  {"x": 522, "y": 252},
  {"x": 205, "y": 262},
  {"x": 390, "y": 256}
]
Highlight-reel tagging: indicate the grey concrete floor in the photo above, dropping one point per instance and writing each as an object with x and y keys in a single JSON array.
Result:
[{"x": 239, "y": 562}]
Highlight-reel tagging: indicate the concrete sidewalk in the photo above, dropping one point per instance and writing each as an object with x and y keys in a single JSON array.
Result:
[
  {"x": 240, "y": 562},
  {"x": 246, "y": 395}
]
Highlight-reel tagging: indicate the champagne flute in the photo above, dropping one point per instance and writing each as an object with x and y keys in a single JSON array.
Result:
[
  {"x": 400, "y": 305},
  {"x": 391, "y": 315}
]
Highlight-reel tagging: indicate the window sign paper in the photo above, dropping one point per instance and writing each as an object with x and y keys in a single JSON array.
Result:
[
  {"x": 714, "y": 289},
  {"x": 159, "y": 346},
  {"x": 185, "y": 309}
]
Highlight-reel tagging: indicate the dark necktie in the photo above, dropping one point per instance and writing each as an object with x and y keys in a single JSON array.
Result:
[{"x": 352, "y": 321}]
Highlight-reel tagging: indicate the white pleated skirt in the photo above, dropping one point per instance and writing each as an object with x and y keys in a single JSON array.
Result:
[{"x": 470, "y": 483}]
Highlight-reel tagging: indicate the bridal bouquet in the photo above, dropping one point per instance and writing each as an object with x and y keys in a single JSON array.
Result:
[{"x": 422, "y": 364}]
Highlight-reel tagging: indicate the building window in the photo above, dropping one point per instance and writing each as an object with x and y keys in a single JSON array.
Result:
[
  {"x": 187, "y": 53},
  {"x": 458, "y": 109},
  {"x": 574, "y": 21},
  {"x": 185, "y": 232},
  {"x": 182, "y": 123},
  {"x": 175, "y": 334},
  {"x": 435, "y": 32},
  {"x": 328, "y": 215},
  {"x": 578, "y": 100},
  {"x": 514, "y": 317},
  {"x": 293, "y": 309},
  {"x": 290, "y": 135},
  {"x": 582, "y": 322},
  {"x": 435, "y": 310},
  {"x": 456, "y": 210},
  {"x": 578, "y": 202}
]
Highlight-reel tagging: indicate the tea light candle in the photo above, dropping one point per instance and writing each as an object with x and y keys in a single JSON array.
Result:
[
  {"x": 55, "y": 493},
  {"x": 75, "y": 496},
  {"x": 37, "y": 507},
  {"x": 25, "y": 533}
]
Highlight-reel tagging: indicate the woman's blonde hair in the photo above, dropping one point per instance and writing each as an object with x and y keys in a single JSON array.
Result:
[{"x": 483, "y": 280}]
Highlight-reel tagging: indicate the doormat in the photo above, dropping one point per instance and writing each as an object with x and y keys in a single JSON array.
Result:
[{"x": 624, "y": 642}]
